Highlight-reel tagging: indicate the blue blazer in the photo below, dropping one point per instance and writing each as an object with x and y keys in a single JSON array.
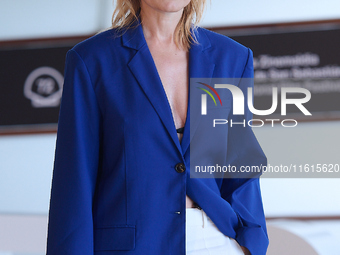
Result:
[{"x": 115, "y": 189}]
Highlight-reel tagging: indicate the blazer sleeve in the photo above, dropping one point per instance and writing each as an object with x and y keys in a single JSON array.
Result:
[
  {"x": 70, "y": 228},
  {"x": 244, "y": 194}
]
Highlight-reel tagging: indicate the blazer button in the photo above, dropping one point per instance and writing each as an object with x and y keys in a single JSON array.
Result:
[{"x": 180, "y": 168}]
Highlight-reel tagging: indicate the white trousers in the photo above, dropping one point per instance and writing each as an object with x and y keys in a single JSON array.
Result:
[{"x": 204, "y": 238}]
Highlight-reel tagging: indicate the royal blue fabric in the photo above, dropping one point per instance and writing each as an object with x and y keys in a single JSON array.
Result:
[{"x": 115, "y": 189}]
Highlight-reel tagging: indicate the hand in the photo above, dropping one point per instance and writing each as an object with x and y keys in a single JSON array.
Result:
[{"x": 245, "y": 250}]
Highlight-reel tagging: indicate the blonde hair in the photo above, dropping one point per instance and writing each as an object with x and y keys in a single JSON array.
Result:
[{"x": 126, "y": 11}]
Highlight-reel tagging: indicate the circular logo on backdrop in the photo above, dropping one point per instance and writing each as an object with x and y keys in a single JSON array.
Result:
[{"x": 44, "y": 86}]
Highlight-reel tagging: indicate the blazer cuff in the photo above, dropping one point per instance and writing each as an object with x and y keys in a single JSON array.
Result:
[{"x": 253, "y": 238}]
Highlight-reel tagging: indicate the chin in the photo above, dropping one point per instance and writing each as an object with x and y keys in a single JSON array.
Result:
[
  {"x": 167, "y": 5},
  {"x": 175, "y": 5}
]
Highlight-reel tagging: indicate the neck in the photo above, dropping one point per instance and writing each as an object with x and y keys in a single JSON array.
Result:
[{"x": 159, "y": 25}]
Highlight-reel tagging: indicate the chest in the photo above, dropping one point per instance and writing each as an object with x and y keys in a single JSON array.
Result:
[{"x": 173, "y": 71}]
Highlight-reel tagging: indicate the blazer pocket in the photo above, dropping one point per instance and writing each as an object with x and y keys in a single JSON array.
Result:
[{"x": 120, "y": 238}]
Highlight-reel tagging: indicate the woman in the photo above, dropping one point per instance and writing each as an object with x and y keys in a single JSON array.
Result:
[{"x": 121, "y": 183}]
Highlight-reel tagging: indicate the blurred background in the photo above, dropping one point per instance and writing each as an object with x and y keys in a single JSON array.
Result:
[{"x": 303, "y": 212}]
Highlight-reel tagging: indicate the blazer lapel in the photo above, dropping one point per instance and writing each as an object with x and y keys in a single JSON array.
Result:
[
  {"x": 144, "y": 70},
  {"x": 200, "y": 66}
]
